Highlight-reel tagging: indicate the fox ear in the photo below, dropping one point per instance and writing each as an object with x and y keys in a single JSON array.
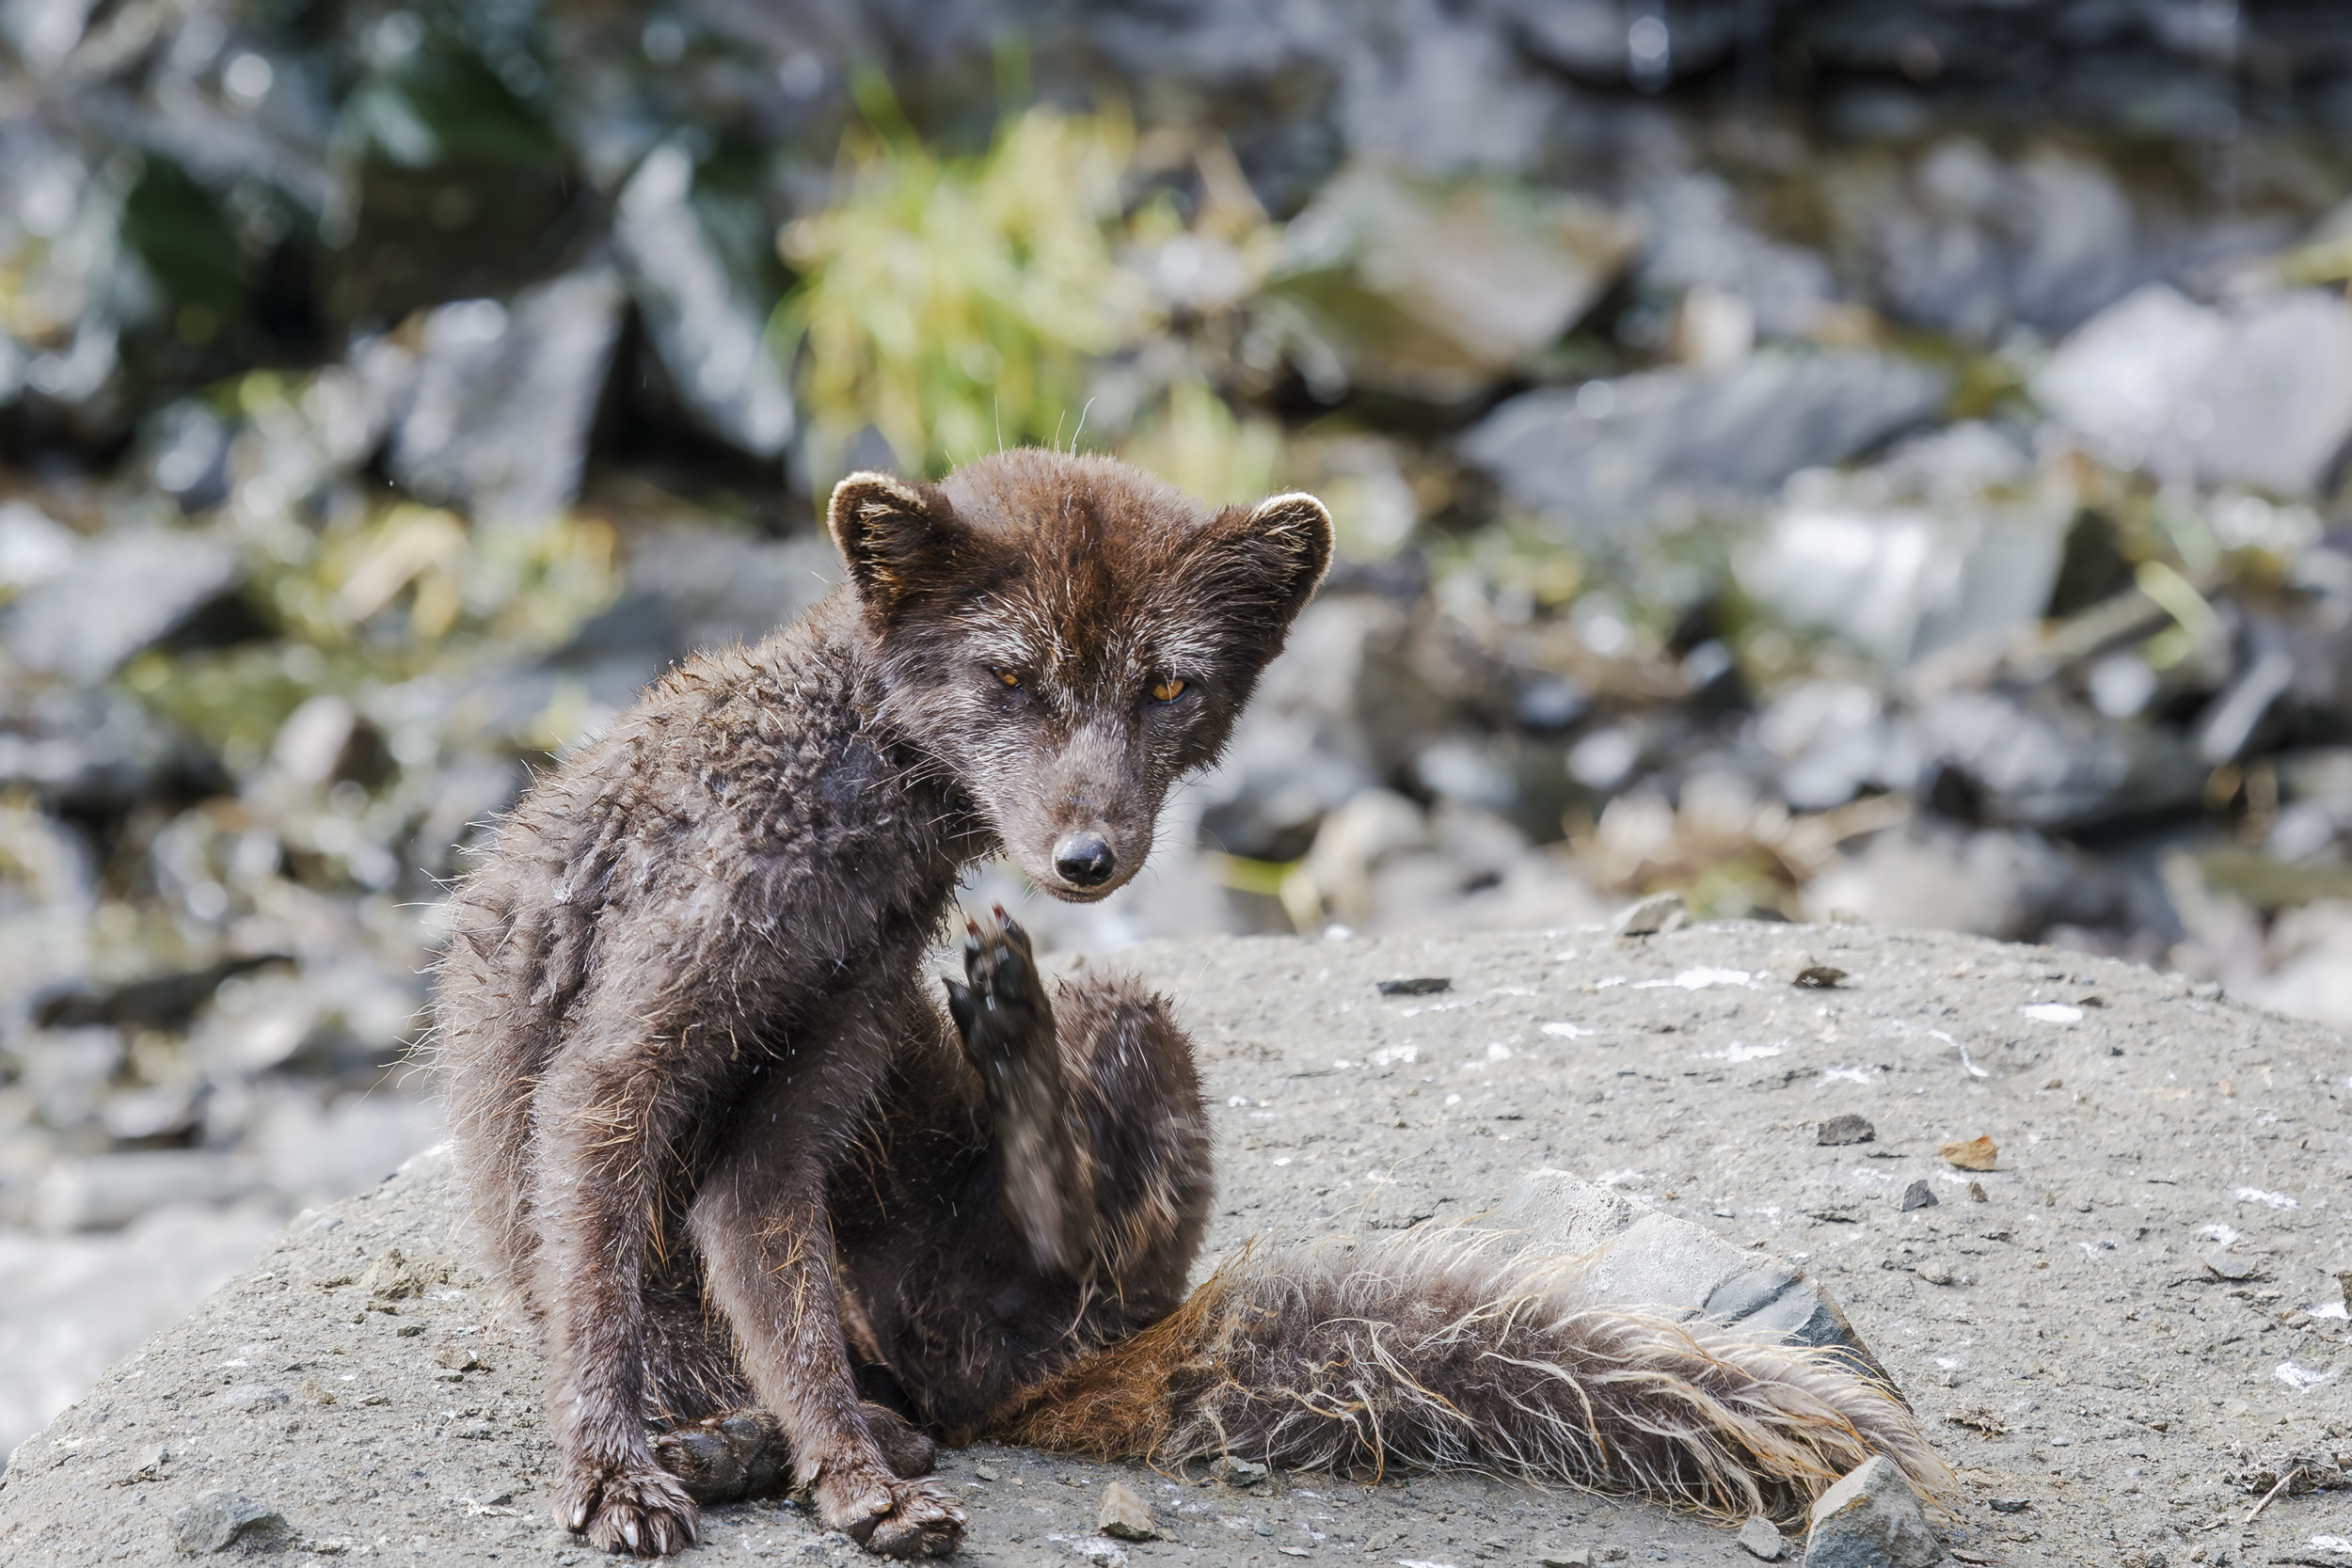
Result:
[
  {"x": 898, "y": 536},
  {"x": 1276, "y": 551}
]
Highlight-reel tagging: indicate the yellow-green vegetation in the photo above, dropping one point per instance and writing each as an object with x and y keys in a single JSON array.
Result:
[
  {"x": 953, "y": 303},
  {"x": 394, "y": 595},
  {"x": 1195, "y": 442}
]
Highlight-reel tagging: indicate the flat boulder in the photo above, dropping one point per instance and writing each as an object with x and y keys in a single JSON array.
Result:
[{"x": 2094, "y": 1331}]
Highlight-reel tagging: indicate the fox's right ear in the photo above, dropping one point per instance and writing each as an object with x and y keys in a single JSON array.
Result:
[
  {"x": 897, "y": 536},
  {"x": 1272, "y": 556}
]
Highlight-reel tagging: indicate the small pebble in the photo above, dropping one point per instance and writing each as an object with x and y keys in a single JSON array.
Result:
[
  {"x": 1918, "y": 1196},
  {"x": 1977, "y": 1153},
  {"x": 1425, "y": 984},
  {"x": 218, "y": 1520},
  {"x": 254, "y": 1396},
  {"x": 1236, "y": 1471},
  {"x": 1871, "y": 1519},
  {"x": 1126, "y": 1514},
  {"x": 1761, "y": 1537},
  {"x": 1848, "y": 1129},
  {"x": 1663, "y": 912}
]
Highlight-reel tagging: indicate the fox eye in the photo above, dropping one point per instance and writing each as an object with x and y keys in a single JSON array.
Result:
[
  {"x": 1168, "y": 687},
  {"x": 1009, "y": 678}
]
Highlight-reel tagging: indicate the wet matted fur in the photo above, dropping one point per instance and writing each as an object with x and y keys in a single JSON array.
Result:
[{"x": 1454, "y": 1351}]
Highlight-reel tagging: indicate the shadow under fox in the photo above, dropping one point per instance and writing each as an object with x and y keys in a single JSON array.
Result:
[{"x": 723, "y": 1142}]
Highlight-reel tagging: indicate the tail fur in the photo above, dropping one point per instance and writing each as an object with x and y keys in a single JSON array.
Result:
[{"x": 1453, "y": 1352}]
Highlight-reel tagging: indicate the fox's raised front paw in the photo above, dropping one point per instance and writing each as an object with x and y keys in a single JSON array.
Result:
[
  {"x": 1008, "y": 1030},
  {"x": 1007, "y": 1024},
  {"x": 887, "y": 1516},
  {"x": 646, "y": 1513}
]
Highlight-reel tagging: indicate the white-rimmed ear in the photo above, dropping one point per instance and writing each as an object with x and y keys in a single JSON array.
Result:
[
  {"x": 1284, "y": 545},
  {"x": 895, "y": 535}
]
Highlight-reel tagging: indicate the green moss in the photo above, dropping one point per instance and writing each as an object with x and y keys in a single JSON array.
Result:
[{"x": 954, "y": 303}]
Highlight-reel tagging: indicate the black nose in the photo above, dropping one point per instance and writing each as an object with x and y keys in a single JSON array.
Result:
[{"x": 1085, "y": 859}]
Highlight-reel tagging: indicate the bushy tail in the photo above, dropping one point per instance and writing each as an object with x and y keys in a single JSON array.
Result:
[{"x": 1454, "y": 1354}]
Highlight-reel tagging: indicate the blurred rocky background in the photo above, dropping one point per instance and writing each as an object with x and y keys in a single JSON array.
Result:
[{"x": 1832, "y": 457}]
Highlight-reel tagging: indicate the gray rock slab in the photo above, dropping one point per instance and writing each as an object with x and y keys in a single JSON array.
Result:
[
  {"x": 498, "y": 416},
  {"x": 705, "y": 322},
  {"x": 115, "y": 596},
  {"x": 2072, "y": 1355},
  {"x": 1609, "y": 453},
  {"x": 1640, "y": 1258},
  {"x": 2259, "y": 393}
]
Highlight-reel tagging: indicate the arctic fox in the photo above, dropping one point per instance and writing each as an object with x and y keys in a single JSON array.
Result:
[{"x": 744, "y": 1168}]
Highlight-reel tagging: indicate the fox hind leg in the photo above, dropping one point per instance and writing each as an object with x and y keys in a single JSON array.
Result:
[
  {"x": 736, "y": 1454},
  {"x": 1006, "y": 1023}
]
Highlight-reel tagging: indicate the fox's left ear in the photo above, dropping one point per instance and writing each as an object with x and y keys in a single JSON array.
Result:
[
  {"x": 899, "y": 537},
  {"x": 1277, "y": 551}
]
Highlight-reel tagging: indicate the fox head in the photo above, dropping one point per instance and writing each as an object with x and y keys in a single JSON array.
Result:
[{"x": 1067, "y": 637}]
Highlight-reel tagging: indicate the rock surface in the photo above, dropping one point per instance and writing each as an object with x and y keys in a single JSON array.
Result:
[
  {"x": 1606, "y": 454},
  {"x": 2083, "y": 1367}
]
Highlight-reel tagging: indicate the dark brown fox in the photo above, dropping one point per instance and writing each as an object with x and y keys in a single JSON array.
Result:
[{"x": 725, "y": 1146}]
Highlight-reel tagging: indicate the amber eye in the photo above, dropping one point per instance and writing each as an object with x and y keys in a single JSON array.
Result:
[
  {"x": 1007, "y": 677},
  {"x": 1168, "y": 689}
]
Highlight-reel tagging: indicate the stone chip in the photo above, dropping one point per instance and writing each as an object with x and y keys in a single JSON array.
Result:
[
  {"x": 1126, "y": 1514},
  {"x": 219, "y": 1519},
  {"x": 1871, "y": 1519}
]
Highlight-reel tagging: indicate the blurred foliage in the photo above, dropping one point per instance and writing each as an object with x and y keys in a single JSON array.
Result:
[
  {"x": 953, "y": 303},
  {"x": 1194, "y": 441},
  {"x": 403, "y": 592}
]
